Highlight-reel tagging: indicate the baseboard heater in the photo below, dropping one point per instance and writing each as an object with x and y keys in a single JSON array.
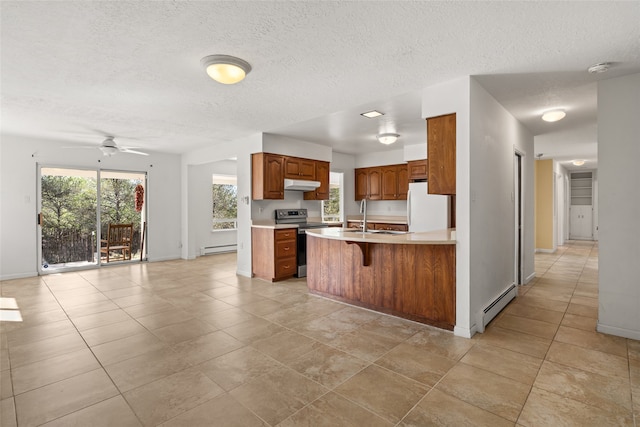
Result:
[
  {"x": 490, "y": 311},
  {"x": 207, "y": 250}
]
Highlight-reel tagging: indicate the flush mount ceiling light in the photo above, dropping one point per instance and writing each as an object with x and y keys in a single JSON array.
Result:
[
  {"x": 226, "y": 69},
  {"x": 553, "y": 115},
  {"x": 578, "y": 162},
  {"x": 388, "y": 138},
  {"x": 599, "y": 68},
  {"x": 371, "y": 114}
]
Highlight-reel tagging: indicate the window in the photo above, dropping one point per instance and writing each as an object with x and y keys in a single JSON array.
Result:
[
  {"x": 332, "y": 209},
  {"x": 224, "y": 196}
]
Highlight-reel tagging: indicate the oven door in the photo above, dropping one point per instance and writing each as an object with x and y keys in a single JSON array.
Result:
[{"x": 301, "y": 253}]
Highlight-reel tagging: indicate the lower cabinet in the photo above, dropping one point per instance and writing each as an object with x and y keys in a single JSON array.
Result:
[
  {"x": 273, "y": 253},
  {"x": 372, "y": 225},
  {"x": 391, "y": 227}
]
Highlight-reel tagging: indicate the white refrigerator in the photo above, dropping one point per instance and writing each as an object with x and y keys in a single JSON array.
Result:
[{"x": 426, "y": 212}]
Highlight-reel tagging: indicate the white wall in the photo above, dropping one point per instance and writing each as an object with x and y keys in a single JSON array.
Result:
[
  {"x": 447, "y": 98},
  {"x": 240, "y": 150},
  {"x": 495, "y": 133},
  {"x": 487, "y": 136},
  {"x": 618, "y": 178},
  {"x": 199, "y": 184},
  {"x": 18, "y": 186}
]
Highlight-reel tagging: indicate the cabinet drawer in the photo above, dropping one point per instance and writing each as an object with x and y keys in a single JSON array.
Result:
[
  {"x": 285, "y": 267},
  {"x": 393, "y": 227},
  {"x": 286, "y": 234},
  {"x": 286, "y": 249}
]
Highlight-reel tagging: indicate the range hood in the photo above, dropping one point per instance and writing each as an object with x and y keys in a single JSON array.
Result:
[{"x": 300, "y": 185}]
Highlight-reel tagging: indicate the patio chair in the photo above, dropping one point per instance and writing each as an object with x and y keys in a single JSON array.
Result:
[{"x": 118, "y": 239}]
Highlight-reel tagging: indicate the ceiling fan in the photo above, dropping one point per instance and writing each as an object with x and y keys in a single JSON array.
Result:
[{"x": 109, "y": 148}]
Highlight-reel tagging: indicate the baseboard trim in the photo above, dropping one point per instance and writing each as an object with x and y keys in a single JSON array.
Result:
[
  {"x": 243, "y": 273},
  {"x": 620, "y": 332},
  {"x": 530, "y": 278},
  {"x": 464, "y": 332},
  {"x": 19, "y": 275},
  {"x": 545, "y": 251}
]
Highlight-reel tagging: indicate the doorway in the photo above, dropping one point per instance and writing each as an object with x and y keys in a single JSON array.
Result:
[
  {"x": 518, "y": 211},
  {"x": 76, "y": 207}
]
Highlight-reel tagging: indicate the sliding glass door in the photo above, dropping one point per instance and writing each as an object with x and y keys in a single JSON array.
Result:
[{"x": 73, "y": 202}]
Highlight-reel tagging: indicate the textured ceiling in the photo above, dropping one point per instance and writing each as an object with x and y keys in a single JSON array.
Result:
[{"x": 75, "y": 70}]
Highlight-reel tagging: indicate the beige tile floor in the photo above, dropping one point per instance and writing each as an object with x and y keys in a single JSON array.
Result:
[{"x": 188, "y": 343}]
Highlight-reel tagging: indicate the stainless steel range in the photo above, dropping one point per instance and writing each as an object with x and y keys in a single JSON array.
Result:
[{"x": 299, "y": 217}]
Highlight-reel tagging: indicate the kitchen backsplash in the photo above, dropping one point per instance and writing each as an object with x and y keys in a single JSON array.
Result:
[{"x": 264, "y": 209}]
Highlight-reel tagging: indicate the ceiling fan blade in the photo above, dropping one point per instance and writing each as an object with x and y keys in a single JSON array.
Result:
[{"x": 127, "y": 150}]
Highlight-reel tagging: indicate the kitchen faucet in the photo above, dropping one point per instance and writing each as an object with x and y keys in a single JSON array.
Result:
[{"x": 363, "y": 211}]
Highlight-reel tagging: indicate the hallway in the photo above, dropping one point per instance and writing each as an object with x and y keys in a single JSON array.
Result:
[{"x": 189, "y": 343}]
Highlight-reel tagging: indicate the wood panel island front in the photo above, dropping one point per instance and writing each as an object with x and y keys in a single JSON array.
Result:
[{"x": 407, "y": 275}]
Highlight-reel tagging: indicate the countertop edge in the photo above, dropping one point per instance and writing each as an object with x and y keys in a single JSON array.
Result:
[{"x": 439, "y": 237}]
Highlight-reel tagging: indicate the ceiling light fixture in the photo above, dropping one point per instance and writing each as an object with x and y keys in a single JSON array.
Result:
[
  {"x": 371, "y": 114},
  {"x": 578, "y": 162},
  {"x": 599, "y": 68},
  {"x": 226, "y": 69},
  {"x": 388, "y": 138},
  {"x": 553, "y": 115}
]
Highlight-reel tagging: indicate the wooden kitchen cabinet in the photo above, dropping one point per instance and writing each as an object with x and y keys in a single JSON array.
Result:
[
  {"x": 362, "y": 183},
  {"x": 403, "y": 182},
  {"x": 391, "y": 227},
  {"x": 395, "y": 182},
  {"x": 418, "y": 170},
  {"x": 441, "y": 154},
  {"x": 273, "y": 253},
  {"x": 267, "y": 176},
  {"x": 297, "y": 168},
  {"x": 382, "y": 183},
  {"x": 322, "y": 170},
  {"x": 368, "y": 183}
]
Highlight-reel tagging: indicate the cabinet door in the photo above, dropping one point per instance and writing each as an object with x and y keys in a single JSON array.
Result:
[
  {"x": 296, "y": 168},
  {"x": 418, "y": 170},
  {"x": 375, "y": 184},
  {"x": 392, "y": 227},
  {"x": 362, "y": 183},
  {"x": 267, "y": 176},
  {"x": 291, "y": 168},
  {"x": 441, "y": 149},
  {"x": 389, "y": 182},
  {"x": 273, "y": 177},
  {"x": 403, "y": 182},
  {"x": 322, "y": 175}
]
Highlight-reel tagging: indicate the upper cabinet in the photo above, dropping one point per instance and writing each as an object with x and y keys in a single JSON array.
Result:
[
  {"x": 418, "y": 170},
  {"x": 441, "y": 154},
  {"x": 267, "y": 176},
  {"x": 322, "y": 170},
  {"x": 296, "y": 168},
  {"x": 395, "y": 182},
  {"x": 382, "y": 183},
  {"x": 368, "y": 183},
  {"x": 268, "y": 172}
]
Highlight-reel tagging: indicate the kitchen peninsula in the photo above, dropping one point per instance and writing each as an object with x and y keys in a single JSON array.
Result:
[{"x": 410, "y": 275}]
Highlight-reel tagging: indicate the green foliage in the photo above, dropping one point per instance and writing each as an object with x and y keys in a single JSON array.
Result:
[
  {"x": 118, "y": 203},
  {"x": 331, "y": 207},
  {"x": 69, "y": 215},
  {"x": 225, "y": 205}
]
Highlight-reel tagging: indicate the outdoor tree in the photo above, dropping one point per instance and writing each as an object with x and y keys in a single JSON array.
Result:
[{"x": 225, "y": 205}]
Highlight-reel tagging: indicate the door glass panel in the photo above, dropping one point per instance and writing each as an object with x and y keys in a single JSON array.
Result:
[
  {"x": 68, "y": 199},
  {"x": 122, "y": 201}
]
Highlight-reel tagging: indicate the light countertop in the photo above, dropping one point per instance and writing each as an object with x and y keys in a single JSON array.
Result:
[
  {"x": 439, "y": 237},
  {"x": 270, "y": 223}
]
